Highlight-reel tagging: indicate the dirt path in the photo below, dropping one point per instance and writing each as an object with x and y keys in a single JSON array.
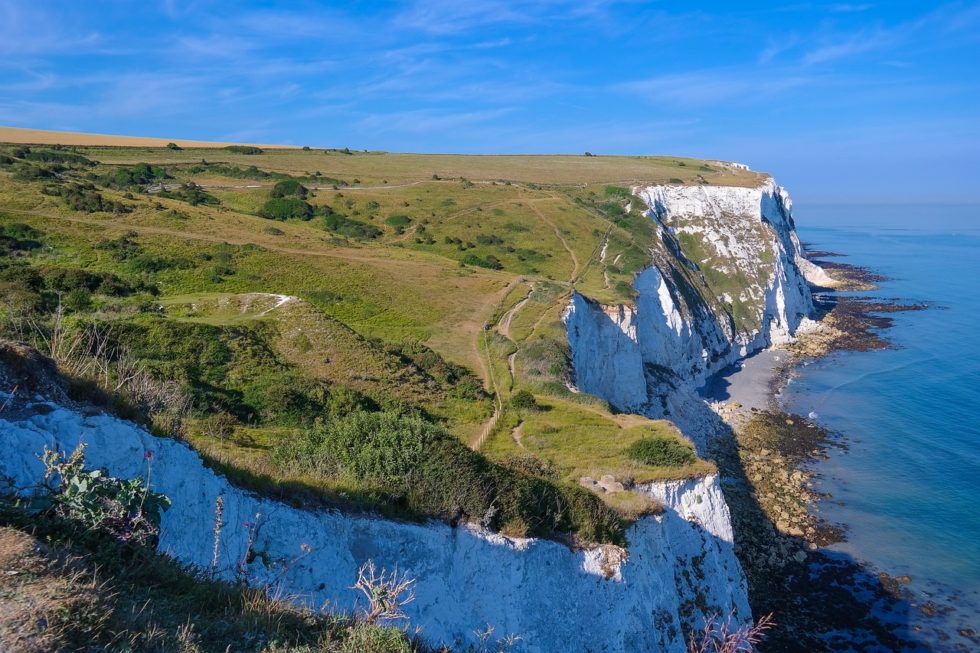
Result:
[
  {"x": 504, "y": 325},
  {"x": 554, "y": 227},
  {"x": 516, "y": 434},
  {"x": 512, "y": 368}
]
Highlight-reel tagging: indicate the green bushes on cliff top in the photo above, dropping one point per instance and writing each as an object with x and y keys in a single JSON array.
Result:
[
  {"x": 660, "y": 451},
  {"x": 424, "y": 469}
]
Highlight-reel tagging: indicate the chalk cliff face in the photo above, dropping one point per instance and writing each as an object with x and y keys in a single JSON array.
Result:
[
  {"x": 727, "y": 279},
  {"x": 679, "y": 566}
]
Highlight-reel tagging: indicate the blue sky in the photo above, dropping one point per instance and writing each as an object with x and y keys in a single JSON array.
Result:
[{"x": 841, "y": 101}]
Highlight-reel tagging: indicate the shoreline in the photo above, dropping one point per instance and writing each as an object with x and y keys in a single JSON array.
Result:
[{"x": 823, "y": 598}]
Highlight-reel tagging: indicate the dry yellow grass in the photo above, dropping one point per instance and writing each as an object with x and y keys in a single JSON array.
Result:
[
  {"x": 385, "y": 168},
  {"x": 48, "y": 137}
]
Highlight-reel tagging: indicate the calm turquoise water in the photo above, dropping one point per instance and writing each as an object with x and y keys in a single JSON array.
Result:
[{"x": 908, "y": 484}]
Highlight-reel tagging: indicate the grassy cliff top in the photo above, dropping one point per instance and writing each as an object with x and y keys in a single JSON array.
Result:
[
  {"x": 376, "y": 167},
  {"x": 430, "y": 285}
]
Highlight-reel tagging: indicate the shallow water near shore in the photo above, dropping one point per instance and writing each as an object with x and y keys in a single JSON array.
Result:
[{"x": 907, "y": 483}]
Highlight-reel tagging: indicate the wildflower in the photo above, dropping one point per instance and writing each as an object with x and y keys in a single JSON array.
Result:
[
  {"x": 247, "y": 524},
  {"x": 305, "y": 548},
  {"x": 148, "y": 455}
]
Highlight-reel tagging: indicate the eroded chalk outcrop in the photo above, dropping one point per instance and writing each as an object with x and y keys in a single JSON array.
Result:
[{"x": 643, "y": 356}]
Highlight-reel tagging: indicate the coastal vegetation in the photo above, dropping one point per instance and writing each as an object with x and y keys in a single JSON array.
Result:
[{"x": 413, "y": 300}]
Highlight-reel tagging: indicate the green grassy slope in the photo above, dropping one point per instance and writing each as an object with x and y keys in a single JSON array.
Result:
[{"x": 429, "y": 284}]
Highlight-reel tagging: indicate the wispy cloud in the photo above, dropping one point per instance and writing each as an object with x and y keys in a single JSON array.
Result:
[
  {"x": 849, "y": 46},
  {"x": 849, "y": 8},
  {"x": 30, "y": 30},
  {"x": 447, "y": 17},
  {"x": 777, "y": 47},
  {"x": 709, "y": 87},
  {"x": 429, "y": 120}
]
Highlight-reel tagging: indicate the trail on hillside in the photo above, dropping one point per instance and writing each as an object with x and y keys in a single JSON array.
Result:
[
  {"x": 486, "y": 367},
  {"x": 504, "y": 325},
  {"x": 558, "y": 234},
  {"x": 516, "y": 433}
]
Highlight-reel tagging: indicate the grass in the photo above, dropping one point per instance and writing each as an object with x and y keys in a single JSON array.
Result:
[
  {"x": 585, "y": 440},
  {"x": 374, "y": 168},
  {"x": 393, "y": 311}
]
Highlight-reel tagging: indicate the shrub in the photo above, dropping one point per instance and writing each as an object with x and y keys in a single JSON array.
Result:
[
  {"x": 137, "y": 175},
  {"x": 192, "y": 194},
  {"x": 489, "y": 239},
  {"x": 426, "y": 470},
  {"x": 78, "y": 300},
  {"x": 174, "y": 146},
  {"x": 661, "y": 452},
  {"x": 290, "y": 188},
  {"x": 283, "y": 208},
  {"x": 18, "y": 237},
  {"x": 523, "y": 400},
  {"x": 244, "y": 149},
  {"x": 220, "y": 425},
  {"x": 57, "y": 156},
  {"x": 490, "y": 262},
  {"x": 398, "y": 220},
  {"x": 84, "y": 197},
  {"x": 28, "y": 172},
  {"x": 351, "y": 228}
]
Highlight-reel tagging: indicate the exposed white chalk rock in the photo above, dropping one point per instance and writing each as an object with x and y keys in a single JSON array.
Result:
[{"x": 675, "y": 337}]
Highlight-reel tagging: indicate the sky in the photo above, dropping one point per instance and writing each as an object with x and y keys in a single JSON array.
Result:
[{"x": 841, "y": 102}]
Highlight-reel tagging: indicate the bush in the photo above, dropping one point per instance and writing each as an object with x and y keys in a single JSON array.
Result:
[
  {"x": 660, "y": 452},
  {"x": 244, "y": 149},
  {"x": 28, "y": 172},
  {"x": 398, "y": 220},
  {"x": 489, "y": 239},
  {"x": 220, "y": 425},
  {"x": 18, "y": 237},
  {"x": 84, "y": 197},
  {"x": 192, "y": 194},
  {"x": 490, "y": 262},
  {"x": 523, "y": 400},
  {"x": 425, "y": 469},
  {"x": 351, "y": 228},
  {"x": 283, "y": 208},
  {"x": 290, "y": 188},
  {"x": 132, "y": 176},
  {"x": 174, "y": 146},
  {"x": 57, "y": 156}
]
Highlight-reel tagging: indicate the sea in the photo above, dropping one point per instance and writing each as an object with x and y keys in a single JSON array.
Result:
[{"x": 906, "y": 482}]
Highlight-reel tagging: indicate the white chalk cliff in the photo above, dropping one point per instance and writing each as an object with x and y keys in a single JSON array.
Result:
[
  {"x": 642, "y": 356},
  {"x": 679, "y": 565}
]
